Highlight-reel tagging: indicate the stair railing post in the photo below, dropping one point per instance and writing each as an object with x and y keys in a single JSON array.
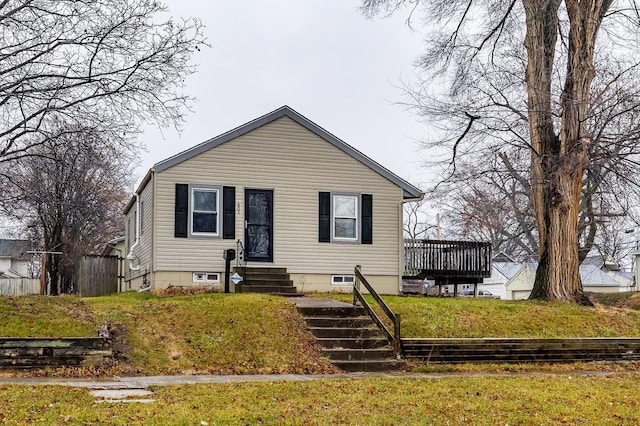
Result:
[
  {"x": 356, "y": 285},
  {"x": 397, "y": 344}
]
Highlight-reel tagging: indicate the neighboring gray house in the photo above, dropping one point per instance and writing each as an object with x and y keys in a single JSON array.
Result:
[
  {"x": 15, "y": 261},
  {"x": 294, "y": 195}
]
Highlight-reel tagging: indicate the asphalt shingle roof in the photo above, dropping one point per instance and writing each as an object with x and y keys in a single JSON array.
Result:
[{"x": 14, "y": 249}]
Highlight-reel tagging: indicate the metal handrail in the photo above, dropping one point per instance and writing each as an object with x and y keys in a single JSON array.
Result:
[
  {"x": 241, "y": 262},
  {"x": 394, "y": 337}
]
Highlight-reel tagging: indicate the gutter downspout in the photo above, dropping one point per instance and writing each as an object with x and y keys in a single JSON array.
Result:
[{"x": 130, "y": 255}]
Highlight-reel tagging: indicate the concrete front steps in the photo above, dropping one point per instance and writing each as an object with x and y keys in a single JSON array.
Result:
[
  {"x": 267, "y": 280},
  {"x": 349, "y": 337}
]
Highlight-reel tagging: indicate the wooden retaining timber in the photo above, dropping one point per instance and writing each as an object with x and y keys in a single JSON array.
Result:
[
  {"x": 37, "y": 352},
  {"x": 451, "y": 351}
]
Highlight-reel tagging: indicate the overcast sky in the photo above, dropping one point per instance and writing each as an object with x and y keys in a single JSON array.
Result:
[{"x": 320, "y": 57}]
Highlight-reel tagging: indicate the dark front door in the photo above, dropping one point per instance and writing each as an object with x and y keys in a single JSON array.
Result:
[{"x": 258, "y": 214}]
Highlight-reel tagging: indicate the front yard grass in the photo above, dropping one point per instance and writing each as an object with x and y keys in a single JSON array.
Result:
[
  {"x": 251, "y": 333},
  {"x": 199, "y": 334},
  {"x": 255, "y": 334},
  {"x": 44, "y": 316},
  {"x": 211, "y": 333},
  {"x": 521, "y": 400},
  {"x": 468, "y": 317}
]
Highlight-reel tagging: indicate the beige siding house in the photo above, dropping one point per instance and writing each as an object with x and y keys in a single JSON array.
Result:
[{"x": 288, "y": 192}]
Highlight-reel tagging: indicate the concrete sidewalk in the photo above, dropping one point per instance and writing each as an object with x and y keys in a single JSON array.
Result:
[{"x": 147, "y": 381}]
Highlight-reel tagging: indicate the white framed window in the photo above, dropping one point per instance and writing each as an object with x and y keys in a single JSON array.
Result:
[
  {"x": 204, "y": 208},
  {"x": 345, "y": 217},
  {"x": 343, "y": 279},
  {"x": 206, "y": 277}
]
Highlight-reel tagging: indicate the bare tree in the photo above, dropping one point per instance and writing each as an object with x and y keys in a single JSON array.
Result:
[
  {"x": 489, "y": 200},
  {"x": 495, "y": 205},
  {"x": 416, "y": 220},
  {"x": 106, "y": 65},
  {"x": 475, "y": 40},
  {"x": 70, "y": 194}
]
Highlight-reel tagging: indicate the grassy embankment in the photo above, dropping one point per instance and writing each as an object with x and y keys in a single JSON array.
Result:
[
  {"x": 197, "y": 334},
  {"x": 251, "y": 333},
  {"x": 468, "y": 317}
]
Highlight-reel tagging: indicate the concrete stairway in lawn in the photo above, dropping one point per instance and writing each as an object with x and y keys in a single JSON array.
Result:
[
  {"x": 348, "y": 336},
  {"x": 267, "y": 280}
]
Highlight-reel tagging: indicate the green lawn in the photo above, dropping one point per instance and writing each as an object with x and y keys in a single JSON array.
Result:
[
  {"x": 251, "y": 333},
  {"x": 469, "y": 317},
  {"x": 521, "y": 400},
  {"x": 198, "y": 334}
]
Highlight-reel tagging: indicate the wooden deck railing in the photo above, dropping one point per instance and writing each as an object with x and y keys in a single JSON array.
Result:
[
  {"x": 440, "y": 259},
  {"x": 394, "y": 337}
]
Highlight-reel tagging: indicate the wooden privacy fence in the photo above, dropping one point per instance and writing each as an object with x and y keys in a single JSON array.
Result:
[
  {"x": 97, "y": 275},
  {"x": 19, "y": 286},
  {"x": 450, "y": 351}
]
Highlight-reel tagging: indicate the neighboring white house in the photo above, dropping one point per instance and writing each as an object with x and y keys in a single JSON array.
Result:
[
  {"x": 521, "y": 282},
  {"x": 294, "y": 195},
  {"x": 502, "y": 272},
  {"x": 115, "y": 247},
  {"x": 521, "y": 276},
  {"x": 15, "y": 261}
]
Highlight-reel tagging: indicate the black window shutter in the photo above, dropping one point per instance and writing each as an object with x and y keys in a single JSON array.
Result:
[
  {"x": 229, "y": 212},
  {"x": 182, "y": 210},
  {"x": 367, "y": 219},
  {"x": 324, "y": 217}
]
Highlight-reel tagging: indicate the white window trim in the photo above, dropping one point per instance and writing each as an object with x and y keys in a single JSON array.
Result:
[
  {"x": 206, "y": 276},
  {"x": 357, "y": 217},
  {"x": 342, "y": 277},
  {"x": 141, "y": 217},
  {"x": 205, "y": 188}
]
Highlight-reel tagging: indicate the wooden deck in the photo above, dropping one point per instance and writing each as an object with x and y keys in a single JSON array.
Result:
[{"x": 446, "y": 261}]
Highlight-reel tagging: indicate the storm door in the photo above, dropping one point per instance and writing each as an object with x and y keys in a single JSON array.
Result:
[{"x": 258, "y": 233}]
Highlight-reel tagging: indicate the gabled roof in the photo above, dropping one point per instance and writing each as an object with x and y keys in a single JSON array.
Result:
[
  {"x": 111, "y": 244},
  {"x": 593, "y": 276},
  {"x": 409, "y": 191},
  {"x": 12, "y": 274},
  {"x": 508, "y": 269},
  {"x": 502, "y": 257},
  {"x": 14, "y": 249}
]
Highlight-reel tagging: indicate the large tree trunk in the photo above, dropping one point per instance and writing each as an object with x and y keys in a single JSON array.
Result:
[
  {"x": 558, "y": 273},
  {"x": 558, "y": 162}
]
